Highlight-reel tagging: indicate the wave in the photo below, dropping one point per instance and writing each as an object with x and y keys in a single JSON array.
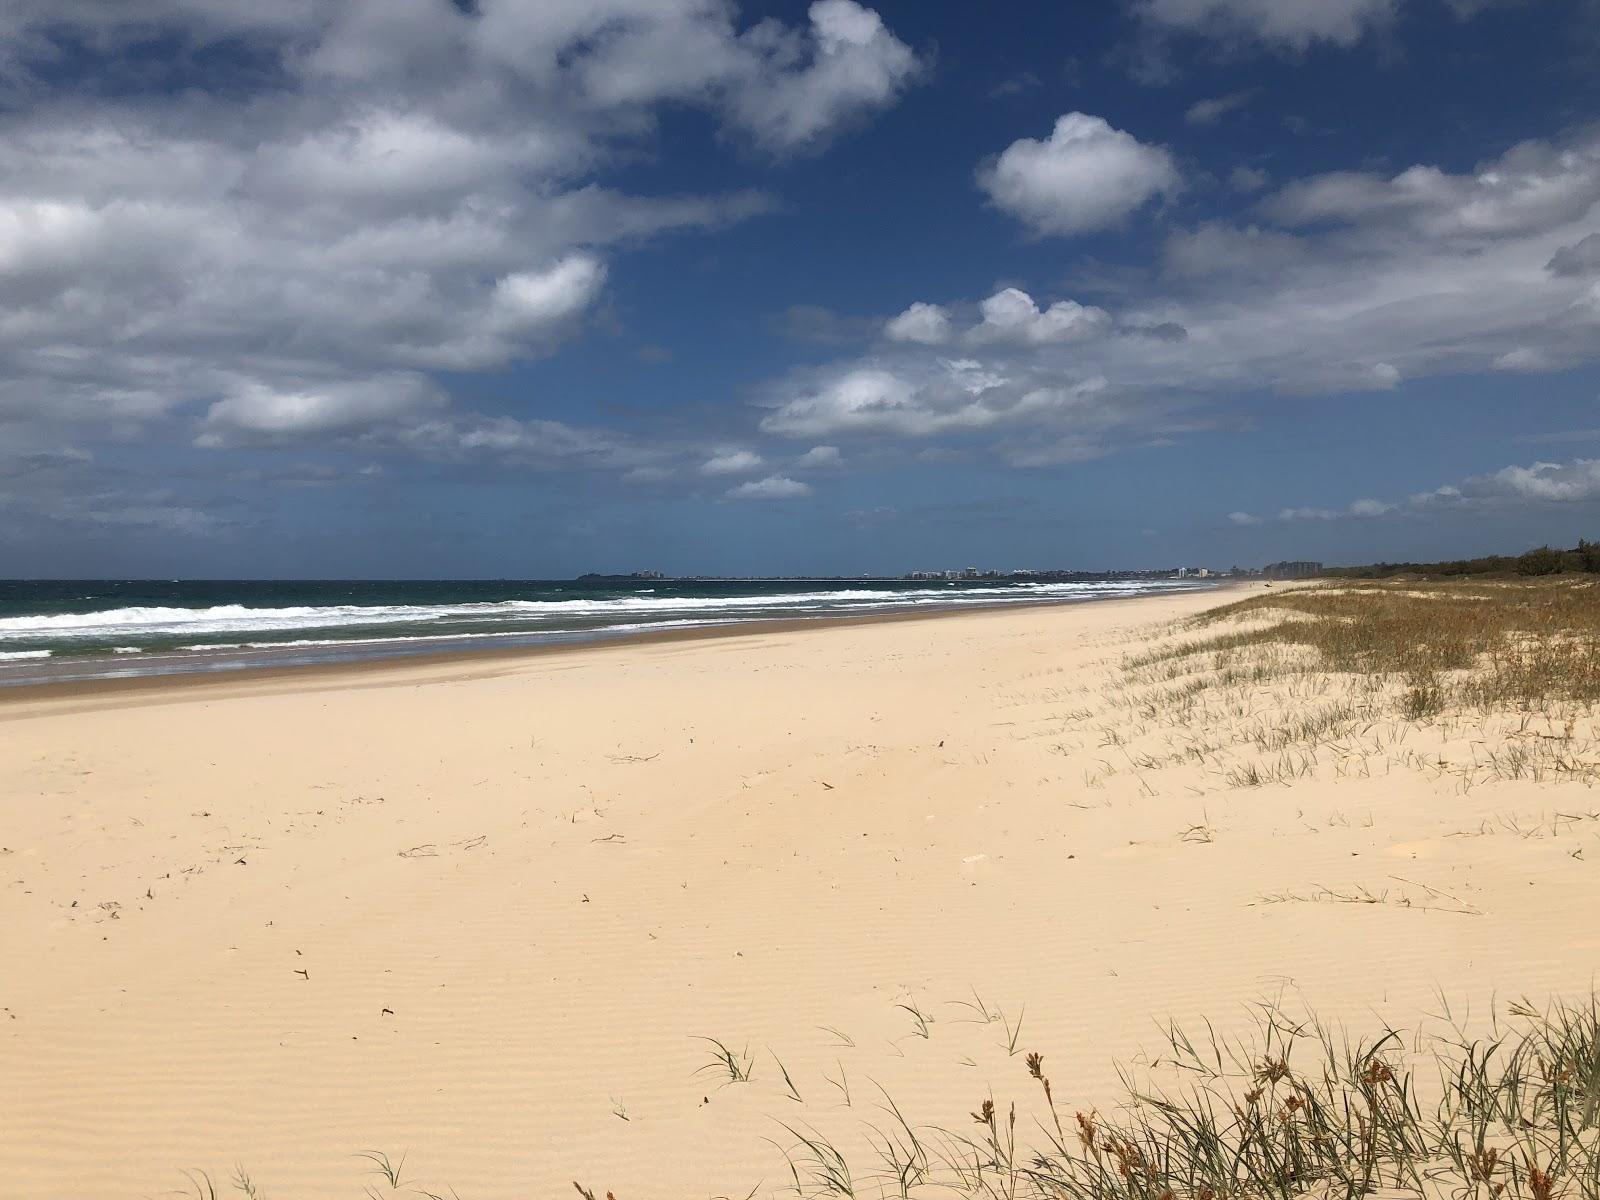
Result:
[
  {"x": 234, "y": 619},
  {"x": 8, "y": 655}
]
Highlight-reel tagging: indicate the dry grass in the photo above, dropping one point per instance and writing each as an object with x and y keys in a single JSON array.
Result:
[
  {"x": 1298, "y": 1110},
  {"x": 1291, "y": 683},
  {"x": 1295, "y": 1109}
]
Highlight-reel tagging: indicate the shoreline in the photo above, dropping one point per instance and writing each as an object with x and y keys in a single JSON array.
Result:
[
  {"x": 276, "y": 920},
  {"x": 232, "y": 680}
]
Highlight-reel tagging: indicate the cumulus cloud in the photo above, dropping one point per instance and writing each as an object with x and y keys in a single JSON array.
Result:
[
  {"x": 856, "y": 65},
  {"x": 773, "y": 487},
  {"x": 1034, "y": 415},
  {"x": 820, "y": 457},
  {"x": 928, "y": 324},
  {"x": 1536, "y": 484},
  {"x": 1386, "y": 293},
  {"x": 1575, "y": 481},
  {"x": 1085, "y": 176},
  {"x": 1532, "y": 186},
  {"x": 1011, "y": 315},
  {"x": 731, "y": 462},
  {"x": 393, "y": 187},
  {"x": 258, "y": 413}
]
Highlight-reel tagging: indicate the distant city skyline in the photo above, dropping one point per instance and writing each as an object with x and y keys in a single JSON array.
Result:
[{"x": 497, "y": 288}]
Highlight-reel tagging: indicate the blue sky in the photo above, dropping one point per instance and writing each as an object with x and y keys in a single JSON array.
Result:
[{"x": 535, "y": 287}]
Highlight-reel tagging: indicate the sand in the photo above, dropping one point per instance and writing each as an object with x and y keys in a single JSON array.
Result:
[{"x": 480, "y": 911}]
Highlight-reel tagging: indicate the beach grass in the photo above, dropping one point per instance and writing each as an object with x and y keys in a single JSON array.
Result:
[
  {"x": 1292, "y": 1108},
  {"x": 1340, "y": 676},
  {"x": 1295, "y": 1109}
]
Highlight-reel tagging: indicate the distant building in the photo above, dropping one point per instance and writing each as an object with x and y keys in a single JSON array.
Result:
[{"x": 1291, "y": 570}]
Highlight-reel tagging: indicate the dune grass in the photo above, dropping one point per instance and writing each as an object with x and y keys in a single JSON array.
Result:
[
  {"x": 1284, "y": 684},
  {"x": 1298, "y": 1110},
  {"x": 1294, "y": 1108}
]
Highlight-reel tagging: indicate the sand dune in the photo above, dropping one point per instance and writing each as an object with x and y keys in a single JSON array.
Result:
[{"x": 481, "y": 913}]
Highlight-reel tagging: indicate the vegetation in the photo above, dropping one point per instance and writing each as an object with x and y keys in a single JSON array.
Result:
[
  {"x": 1583, "y": 559},
  {"x": 1509, "y": 644},
  {"x": 1294, "y": 1109},
  {"x": 1344, "y": 677},
  {"x": 1297, "y": 1109}
]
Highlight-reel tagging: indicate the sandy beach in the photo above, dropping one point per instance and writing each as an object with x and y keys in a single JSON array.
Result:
[{"x": 482, "y": 912}]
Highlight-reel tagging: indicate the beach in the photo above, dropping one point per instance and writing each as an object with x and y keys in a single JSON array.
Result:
[{"x": 503, "y": 915}]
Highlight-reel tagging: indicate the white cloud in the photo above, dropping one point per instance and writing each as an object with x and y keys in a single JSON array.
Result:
[
  {"x": 1539, "y": 483},
  {"x": 1215, "y": 249},
  {"x": 257, "y": 413},
  {"x": 773, "y": 487},
  {"x": 1578, "y": 480},
  {"x": 1209, "y": 112},
  {"x": 1292, "y": 24},
  {"x": 1011, "y": 315},
  {"x": 532, "y": 299},
  {"x": 1086, "y": 176},
  {"x": 820, "y": 457},
  {"x": 1363, "y": 304},
  {"x": 1038, "y": 414},
  {"x": 856, "y": 65},
  {"x": 394, "y": 186},
  {"x": 860, "y": 400},
  {"x": 731, "y": 462},
  {"x": 1524, "y": 358},
  {"x": 928, "y": 324},
  {"x": 1369, "y": 508},
  {"x": 1532, "y": 186}
]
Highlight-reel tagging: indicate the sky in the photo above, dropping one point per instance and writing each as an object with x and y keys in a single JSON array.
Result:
[{"x": 528, "y": 288}]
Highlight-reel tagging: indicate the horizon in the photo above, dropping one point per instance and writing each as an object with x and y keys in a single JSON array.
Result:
[{"x": 788, "y": 289}]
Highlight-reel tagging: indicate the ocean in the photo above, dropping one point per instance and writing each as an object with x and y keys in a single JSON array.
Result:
[{"x": 81, "y": 629}]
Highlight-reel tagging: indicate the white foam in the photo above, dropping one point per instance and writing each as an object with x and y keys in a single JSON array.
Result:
[
  {"x": 234, "y": 620},
  {"x": 7, "y": 655}
]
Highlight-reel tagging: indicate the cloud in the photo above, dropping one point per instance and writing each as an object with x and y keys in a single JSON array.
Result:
[
  {"x": 731, "y": 462},
  {"x": 1011, "y": 315},
  {"x": 773, "y": 487},
  {"x": 1037, "y": 414},
  {"x": 1247, "y": 179},
  {"x": 1384, "y": 295},
  {"x": 1214, "y": 248},
  {"x": 1541, "y": 482},
  {"x": 389, "y": 188},
  {"x": 1580, "y": 258},
  {"x": 1534, "y": 185},
  {"x": 256, "y": 413},
  {"x": 1534, "y": 485},
  {"x": 1285, "y": 24},
  {"x": 535, "y": 299},
  {"x": 820, "y": 457},
  {"x": 856, "y": 66},
  {"x": 1291, "y": 25},
  {"x": 1209, "y": 112},
  {"x": 1086, "y": 176},
  {"x": 928, "y": 324}
]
